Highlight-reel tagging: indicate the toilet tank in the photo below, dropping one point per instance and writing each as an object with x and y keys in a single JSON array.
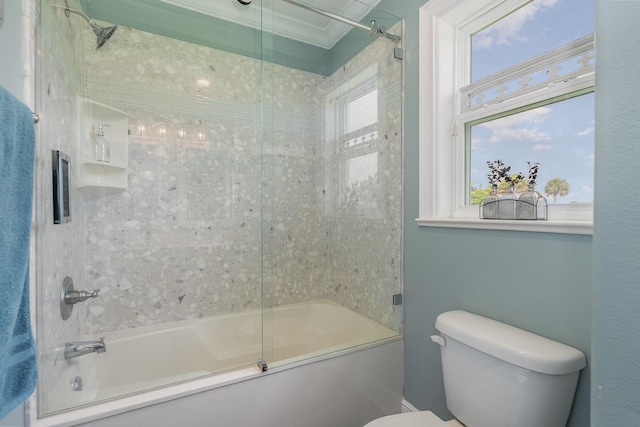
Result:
[{"x": 497, "y": 375}]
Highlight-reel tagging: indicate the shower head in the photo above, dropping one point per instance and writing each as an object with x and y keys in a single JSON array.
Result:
[{"x": 102, "y": 33}]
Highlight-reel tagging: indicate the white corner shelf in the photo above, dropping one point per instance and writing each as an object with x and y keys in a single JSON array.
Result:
[{"x": 95, "y": 178}]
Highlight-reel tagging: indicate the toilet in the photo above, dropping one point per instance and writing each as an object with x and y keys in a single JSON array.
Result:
[{"x": 496, "y": 375}]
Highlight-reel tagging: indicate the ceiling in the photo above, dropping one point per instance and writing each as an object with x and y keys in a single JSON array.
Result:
[
  {"x": 302, "y": 39},
  {"x": 286, "y": 20}
]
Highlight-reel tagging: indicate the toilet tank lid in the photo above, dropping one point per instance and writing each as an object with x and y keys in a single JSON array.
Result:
[{"x": 511, "y": 344}]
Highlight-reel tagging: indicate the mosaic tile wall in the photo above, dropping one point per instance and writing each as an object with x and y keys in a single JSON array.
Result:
[
  {"x": 212, "y": 190},
  {"x": 364, "y": 221},
  {"x": 185, "y": 239}
]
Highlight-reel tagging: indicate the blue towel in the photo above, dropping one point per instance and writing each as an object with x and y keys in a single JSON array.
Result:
[{"x": 18, "y": 365}]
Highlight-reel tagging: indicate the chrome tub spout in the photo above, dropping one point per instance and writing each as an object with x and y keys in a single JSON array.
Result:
[{"x": 75, "y": 349}]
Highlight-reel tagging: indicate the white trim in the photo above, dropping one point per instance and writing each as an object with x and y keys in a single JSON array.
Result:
[
  {"x": 563, "y": 227},
  {"x": 408, "y": 407},
  {"x": 442, "y": 57},
  {"x": 439, "y": 20},
  {"x": 563, "y": 83}
]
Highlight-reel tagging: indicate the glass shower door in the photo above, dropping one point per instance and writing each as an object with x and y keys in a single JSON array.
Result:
[
  {"x": 332, "y": 176},
  {"x": 170, "y": 229},
  {"x": 267, "y": 180}
]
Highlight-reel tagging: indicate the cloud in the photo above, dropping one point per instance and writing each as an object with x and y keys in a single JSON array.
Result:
[
  {"x": 591, "y": 158},
  {"x": 509, "y": 28},
  {"x": 588, "y": 131},
  {"x": 540, "y": 147},
  {"x": 586, "y": 189},
  {"x": 498, "y": 135},
  {"x": 536, "y": 116},
  {"x": 521, "y": 126}
]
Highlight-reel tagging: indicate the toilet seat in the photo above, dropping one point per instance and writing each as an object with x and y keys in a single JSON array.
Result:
[{"x": 409, "y": 419}]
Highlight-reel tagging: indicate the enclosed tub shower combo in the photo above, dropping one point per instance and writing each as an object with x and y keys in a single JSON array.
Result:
[{"x": 218, "y": 212}]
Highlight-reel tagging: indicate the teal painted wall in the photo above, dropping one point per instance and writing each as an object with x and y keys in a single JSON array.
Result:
[
  {"x": 11, "y": 48},
  {"x": 14, "y": 419},
  {"x": 447, "y": 268},
  {"x": 537, "y": 282},
  {"x": 616, "y": 241},
  {"x": 540, "y": 282}
]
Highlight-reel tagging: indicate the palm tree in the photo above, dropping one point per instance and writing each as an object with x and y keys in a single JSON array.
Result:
[{"x": 556, "y": 187}]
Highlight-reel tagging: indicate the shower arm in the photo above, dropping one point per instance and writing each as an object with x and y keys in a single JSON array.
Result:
[
  {"x": 373, "y": 29},
  {"x": 68, "y": 10}
]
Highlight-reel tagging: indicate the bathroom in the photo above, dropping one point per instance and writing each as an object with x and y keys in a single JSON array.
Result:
[{"x": 581, "y": 292}]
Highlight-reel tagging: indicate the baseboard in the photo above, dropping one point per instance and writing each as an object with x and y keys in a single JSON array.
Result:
[{"x": 408, "y": 407}]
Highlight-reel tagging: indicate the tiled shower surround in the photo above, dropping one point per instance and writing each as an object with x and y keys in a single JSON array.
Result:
[{"x": 223, "y": 199}]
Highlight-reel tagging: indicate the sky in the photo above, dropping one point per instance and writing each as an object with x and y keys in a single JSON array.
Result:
[{"x": 559, "y": 136}]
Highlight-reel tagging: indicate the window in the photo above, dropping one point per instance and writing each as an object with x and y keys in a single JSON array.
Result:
[
  {"x": 353, "y": 129},
  {"x": 359, "y": 151},
  {"x": 510, "y": 80}
]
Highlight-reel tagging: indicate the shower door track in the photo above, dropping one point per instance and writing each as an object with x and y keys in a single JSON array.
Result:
[{"x": 373, "y": 29}]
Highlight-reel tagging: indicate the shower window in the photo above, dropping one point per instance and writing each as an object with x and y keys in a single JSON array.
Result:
[{"x": 358, "y": 147}]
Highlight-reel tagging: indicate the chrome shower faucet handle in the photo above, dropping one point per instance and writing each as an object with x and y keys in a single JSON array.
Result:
[
  {"x": 69, "y": 296},
  {"x": 73, "y": 296}
]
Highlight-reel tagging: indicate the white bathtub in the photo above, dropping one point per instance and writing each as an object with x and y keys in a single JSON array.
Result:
[{"x": 211, "y": 355}]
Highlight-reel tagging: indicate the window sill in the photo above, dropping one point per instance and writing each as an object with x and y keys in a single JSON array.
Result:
[{"x": 564, "y": 227}]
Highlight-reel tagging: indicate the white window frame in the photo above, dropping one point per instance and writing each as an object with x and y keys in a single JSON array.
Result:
[
  {"x": 337, "y": 101},
  {"x": 445, "y": 28},
  {"x": 369, "y": 132}
]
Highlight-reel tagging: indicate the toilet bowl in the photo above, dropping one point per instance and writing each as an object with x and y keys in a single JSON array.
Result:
[
  {"x": 413, "y": 419},
  {"x": 489, "y": 368}
]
